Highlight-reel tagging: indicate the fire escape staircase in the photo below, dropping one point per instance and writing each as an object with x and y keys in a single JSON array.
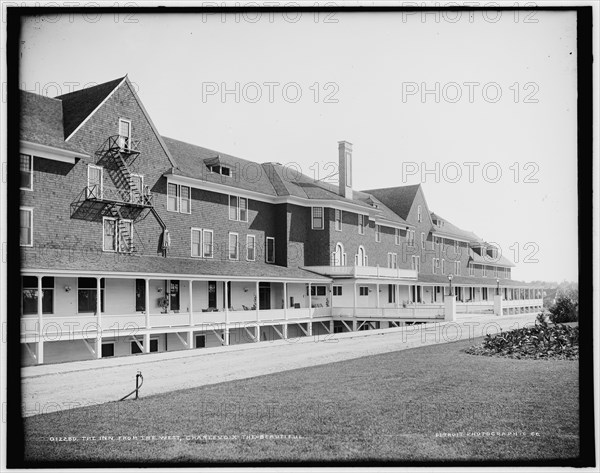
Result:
[{"x": 127, "y": 200}]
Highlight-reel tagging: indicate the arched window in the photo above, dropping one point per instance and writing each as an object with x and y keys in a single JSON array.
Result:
[
  {"x": 338, "y": 257},
  {"x": 361, "y": 257}
]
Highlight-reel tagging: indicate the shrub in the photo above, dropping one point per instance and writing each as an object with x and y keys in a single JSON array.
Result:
[
  {"x": 542, "y": 341},
  {"x": 566, "y": 308}
]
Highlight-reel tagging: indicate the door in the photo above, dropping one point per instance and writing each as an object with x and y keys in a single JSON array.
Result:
[
  {"x": 94, "y": 188},
  {"x": 200, "y": 341},
  {"x": 212, "y": 294},
  {"x": 264, "y": 296},
  {"x": 174, "y": 294},
  {"x": 140, "y": 295}
]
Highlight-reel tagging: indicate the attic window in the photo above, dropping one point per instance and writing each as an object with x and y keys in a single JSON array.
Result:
[{"x": 219, "y": 169}]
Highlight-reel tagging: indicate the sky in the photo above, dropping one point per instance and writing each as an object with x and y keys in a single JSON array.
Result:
[{"x": 480, "y": 109}]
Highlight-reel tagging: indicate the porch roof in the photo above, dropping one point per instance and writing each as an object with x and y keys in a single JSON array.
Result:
[
  {"x": 120, "y": 265},
  {"x": 442, "y": 280}
]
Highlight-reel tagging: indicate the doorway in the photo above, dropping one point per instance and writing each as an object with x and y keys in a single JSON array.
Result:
[{"x": 264, "y": 296}]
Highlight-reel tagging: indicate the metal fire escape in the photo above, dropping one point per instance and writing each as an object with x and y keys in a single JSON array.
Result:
[{"x": 129, "y": 201}]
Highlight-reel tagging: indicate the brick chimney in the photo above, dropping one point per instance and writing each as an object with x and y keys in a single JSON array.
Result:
[{"x": 345, "y": 169}]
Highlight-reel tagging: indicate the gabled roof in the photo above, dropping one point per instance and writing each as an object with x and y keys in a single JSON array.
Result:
[
  {"x": 452, "y": 230},
  {"x": 386, "y": 212},
  {"x": 398, "y": 199},
  {"x": 42, "y": 122},
  {"x": 79, "y": 105}
]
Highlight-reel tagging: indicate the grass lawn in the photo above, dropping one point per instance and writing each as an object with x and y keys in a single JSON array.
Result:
[{"x": 434, "y": 403}]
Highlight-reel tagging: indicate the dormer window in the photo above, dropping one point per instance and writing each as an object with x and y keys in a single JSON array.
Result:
[{"x": 220, "y": 169}]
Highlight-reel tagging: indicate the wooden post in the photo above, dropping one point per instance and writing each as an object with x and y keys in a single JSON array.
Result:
[
  {"x": 285, "y": 301},
  {"x": 257, "y": 301},
  {"x": 147, "y": 301},
  {"x": 99, "y": 318},
  {"x": 191, "y": 303},
  {"x": 40, "y": 314}
]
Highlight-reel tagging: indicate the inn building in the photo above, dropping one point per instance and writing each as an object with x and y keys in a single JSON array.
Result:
[{"x": 132, "y": 242}]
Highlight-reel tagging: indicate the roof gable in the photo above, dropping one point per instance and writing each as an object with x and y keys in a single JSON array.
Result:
[
  {"x": 398, "y": 199},
  {"x": 79, "y": 105}
]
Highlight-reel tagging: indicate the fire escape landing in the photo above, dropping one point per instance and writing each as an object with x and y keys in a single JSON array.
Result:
[{"x": 128, "y": 199}]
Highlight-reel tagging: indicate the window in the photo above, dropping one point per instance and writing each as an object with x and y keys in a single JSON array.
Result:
[
  {"x": 416, "y": 263},
  {"x": 207, "y": 243},
  {"x": 250, "y": 247},
  {"x": 218, "y": 169},
  {"x": 397, "y": 236},
  {"x": 86, "y": 295},
  {"x": 108, "y": 349},
  {"x": 95, "y": 182},
  {"x": 362, "y": 223},
  {"x": 377, "y": 233},
  {"x": 317, "y": 290},
  {"x": 391, "y": 294},
  {"x": 173, "y": 197},
  {"x": 338, "y": 258},
  {"x": 243, "y": 217},
  {"x": 125, "y": 230},
  {"x": 337, "y": 290},
  {"x": 392, "y": 260},
  {"x": 422, "y": 240},
  {"x": 196, "y": 242},
  {"x": 26, "y": 222},
  {"x": 117, "y": 235},
  {"x": 109, "y": 240},
  {"x": 410, "y": 237},
  {"x": 436, "y": 242},
  {"x": 233, "y": 246},
  {"x": 179, "y": 198},
  {"x": 124, "y": 133},
  {"x": 338, "y": 220},
  {"x": 137, "y": 188},
  {"x": 443, "y": 266},
  {"x": 202, "y": 243},
  {"x": 457, "y": 268},
  {"x": 317, "y": 218},
  {"x": 238, "y": 208},
  {"x": 361, "y": 257},
  {"x": 270, "y": 250},
  {"x": 185, "y": 200},
  {"x": 484, "y": 269},
  {"x": 26, "y": 172},
  {"x": 419, "y": 214},
  {"x": 30, "y": 295},
  {"x": 364, "y": 290},
  {"x": 436, "y": 265},
  {"x": 471, "y": 270}
]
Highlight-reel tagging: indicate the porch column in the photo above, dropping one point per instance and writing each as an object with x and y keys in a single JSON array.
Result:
[
  {"x": 309, "y": 298},
  {"x": 285, "y": 301},
  {"x": 377, "y": 290},
  {"x": 226, "y": 295},
  {"x": 355, "y": 299},
  {"x": 191, "y": 304},
  {"x": 99, "y": 318},
  {"x": 397, "y": 295},
  {"x": 257, "y": 302},
  {"x": 147, "y": 301},
  {"x": 40, "y": 313}
]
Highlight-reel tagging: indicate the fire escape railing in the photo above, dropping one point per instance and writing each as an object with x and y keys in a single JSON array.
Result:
[{"x": 117, "y": 155}]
